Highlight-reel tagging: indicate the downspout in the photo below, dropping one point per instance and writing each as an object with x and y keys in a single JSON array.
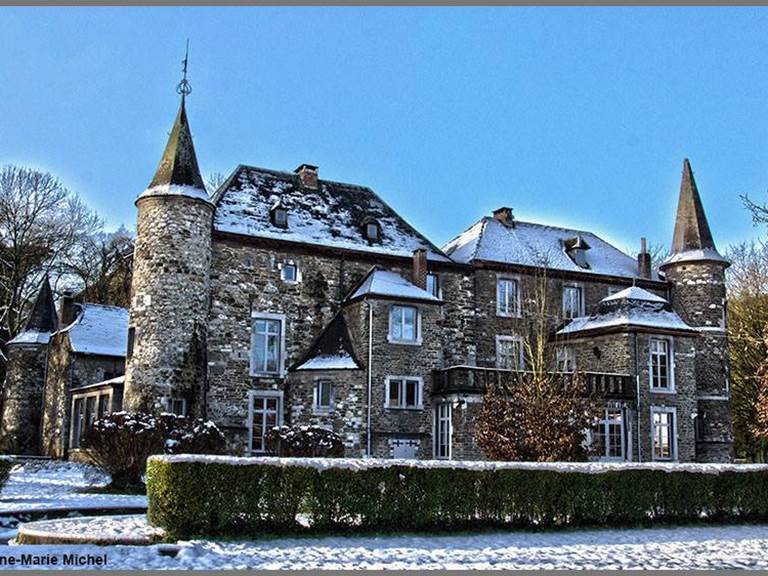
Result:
[
  {"x": 45, "y": 388},
  {"x": 370, "y": 378},
  {"x": 637, "y": 391}
]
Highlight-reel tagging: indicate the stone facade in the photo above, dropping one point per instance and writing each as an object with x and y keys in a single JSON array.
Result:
[{"x": 23, "y": 399}]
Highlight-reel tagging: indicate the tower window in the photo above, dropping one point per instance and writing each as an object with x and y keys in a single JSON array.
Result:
[{"x": 278, "y": 214}]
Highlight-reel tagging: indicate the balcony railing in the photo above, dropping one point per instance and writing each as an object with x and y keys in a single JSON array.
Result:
[{"x": 475, "y": 380}]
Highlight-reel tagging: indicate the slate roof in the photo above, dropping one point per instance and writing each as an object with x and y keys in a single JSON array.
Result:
[
  {"x": 178, "y": 173},
  {"x": 331, "y": 350},
  {"x": 629, "y": 309},
  {"x": 331, "y": 215},
  {"x": 692, "y": 239},
  {"x": 42, "y": 321},
  {"x": 388, "y": 284},
  {"x": 530, "y": 244},
  {"x": 100, "y": 330}
]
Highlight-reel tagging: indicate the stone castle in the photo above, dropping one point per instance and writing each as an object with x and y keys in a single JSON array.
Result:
[{"x": 285, "y": 298}]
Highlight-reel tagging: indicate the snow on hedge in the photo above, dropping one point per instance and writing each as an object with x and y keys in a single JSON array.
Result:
[{"x": 368, "y": 463}]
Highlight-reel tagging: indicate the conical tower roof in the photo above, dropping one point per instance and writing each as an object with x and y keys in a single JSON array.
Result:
[
  {"x": 692, "y": 239},
  {"x": 178, "y": 173},
  {"x": 43, "y": 320}
]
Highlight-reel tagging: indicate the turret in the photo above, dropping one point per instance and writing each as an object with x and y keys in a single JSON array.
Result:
[
  {"x": 166, "y": 362},
  {"x": 696, "y": 273},
  {"x": 22, "y": 398}
]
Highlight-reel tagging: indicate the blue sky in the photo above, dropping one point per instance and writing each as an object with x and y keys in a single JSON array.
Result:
[{"x": 572, "y": 116}]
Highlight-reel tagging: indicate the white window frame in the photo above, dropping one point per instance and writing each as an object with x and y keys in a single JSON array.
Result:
[
  {"x": 82, "y": 424},
  {"x": 252, "y": 394},
  {"x": 316, "y": 406},
  {"x": 506, "y": 312},
  {"x": 563, "y": 355},
  {"x": 436, "y": 293},
  {"x": 673, "y": 443},
  {"x": 603, "y": 422},
  {"x": 169, "y": 405},
  {"x": 670, "y": 389},
  {"x": 402, "y": 392},
  {"x": 443, "y": 413},
  {"x": 417, "y": 325},
  {"x": 281, "y": 339},
  {"x": 520, "y": 360},
  {"x": 288, "y": 264},
  {"x": 582, "y": 304}
]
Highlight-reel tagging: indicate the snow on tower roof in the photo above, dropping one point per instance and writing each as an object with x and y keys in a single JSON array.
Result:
[
  {"x": 333, "y": 214},
  {"x": 635, "y": 293},
  {"x": 42, "y": 321},
  {"x": 387, "y": 284},
  {"x": 100, "y": 330},
  {"x": 530, "y": 244},
  {"x": 331, "y": 350}
]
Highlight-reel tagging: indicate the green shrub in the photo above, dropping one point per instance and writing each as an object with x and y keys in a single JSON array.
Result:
[
  {"x": 193, "y": 496},
  {"x": 6, "y": 464}
]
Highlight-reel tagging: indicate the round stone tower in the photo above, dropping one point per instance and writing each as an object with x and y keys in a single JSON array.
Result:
[
  {"x": 696, "y": 273},
  {"x": 22, "y": 393},
  {"x": 166, "y": 361}
]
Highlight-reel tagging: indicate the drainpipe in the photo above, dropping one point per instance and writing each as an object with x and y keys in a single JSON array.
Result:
[
  {"x": 370, "y": 378},
  {"x": 637, "y": 390}
]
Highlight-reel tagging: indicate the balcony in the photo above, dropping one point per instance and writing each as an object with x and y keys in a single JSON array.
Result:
[{"x": 475, "y": 380}]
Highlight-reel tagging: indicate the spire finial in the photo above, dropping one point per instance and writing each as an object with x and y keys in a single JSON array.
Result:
[{"x": 184, "y": 87}]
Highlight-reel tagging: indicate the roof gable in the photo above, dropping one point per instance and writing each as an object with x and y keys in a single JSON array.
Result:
[
  {"x": 332, "y": 215},
  {"x": 331, "y": 350},
  {"x": 388, "y": 284}
]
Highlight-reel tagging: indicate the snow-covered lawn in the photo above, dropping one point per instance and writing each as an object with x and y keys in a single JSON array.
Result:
[{"x": 658, "y": 548}]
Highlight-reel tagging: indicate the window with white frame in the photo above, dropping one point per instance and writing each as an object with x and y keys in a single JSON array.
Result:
[
  {"x": 509, "y": 353},
  {"x": 661, "y": 364},
  {"x": 664, "y": 433},
  {"x": 566, "y": 359},
  {"x": 323, "y": 395},
  {"x": 404, "y": 324},
  {"x": 573, "y": 302},
  {"x": 433, "y": 285},
  {"x": 608, "y": 435},
  {"x": 289, "y": 272},
  {"x": 177, "y": 406},
  {"x": 265, "y": 412},
  {"x": 507, "y": 297},
  {"x": 443, "y": 431},
  {"x": 267, "y": 345},
  {"x": 403, "y": 392}
]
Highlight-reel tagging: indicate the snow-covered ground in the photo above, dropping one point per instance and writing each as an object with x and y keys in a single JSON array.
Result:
[
  {"x": 657, "y": 548},
  {"x": 44, "y": 485}
]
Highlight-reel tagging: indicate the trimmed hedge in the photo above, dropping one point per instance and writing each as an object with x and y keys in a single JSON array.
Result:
[{"x": 231, "y": 497}]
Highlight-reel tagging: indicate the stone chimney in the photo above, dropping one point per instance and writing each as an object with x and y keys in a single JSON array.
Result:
[
  {"x": 643, "y": 261},
  {"x": 67, "y": 310},
  {"x": 420, "y": 268},
  {"x": 308, "y": 175},
  {"x": 504, "y": 215}
]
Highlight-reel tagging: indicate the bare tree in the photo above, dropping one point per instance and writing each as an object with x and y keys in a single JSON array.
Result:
[
  {"x": 41, "y": 222},
  {"x": 747, "y": 282},
  {"x": 536, "y": 413},
  {"x": 759, "y": 211},
  {"x": 213, "y": 181}
]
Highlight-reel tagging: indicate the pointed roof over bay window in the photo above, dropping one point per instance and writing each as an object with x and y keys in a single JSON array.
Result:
[
  {"x": 178, "y": 173},
  {"x": 43, "y": 320},
  {"x": 692, "y": 240}
]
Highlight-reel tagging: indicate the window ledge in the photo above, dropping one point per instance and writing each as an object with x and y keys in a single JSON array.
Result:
[
  {"x": 663, "y": 391},
  {"x": 323, "y": 411},
  {"x": 404, "y": 342},
  {"x": 508, "y": 314},
  {"x": 418, "y": 408}
]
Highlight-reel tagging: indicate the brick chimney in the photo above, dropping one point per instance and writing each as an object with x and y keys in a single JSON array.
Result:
[
  {"x": 420, "y": 268},
  {"x": 308, "y": 175},
  {"x": 67, "y": 310},
  {"x": 504, "y": 215},
  {"x": 643, "y": 261}
]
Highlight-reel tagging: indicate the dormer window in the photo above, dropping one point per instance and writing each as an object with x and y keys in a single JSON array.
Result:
[
  {"x": 279, "y": 215},
  {"x": 371, "y": 230},
  {"x": 576, "y": 248}
]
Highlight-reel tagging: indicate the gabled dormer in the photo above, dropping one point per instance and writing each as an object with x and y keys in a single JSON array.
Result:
[{"x": 576, "y": 249}]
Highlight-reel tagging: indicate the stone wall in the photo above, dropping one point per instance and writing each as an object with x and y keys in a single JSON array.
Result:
[
  {"x": 169, "y": 303},
  {"x": 23, "y": 399}
]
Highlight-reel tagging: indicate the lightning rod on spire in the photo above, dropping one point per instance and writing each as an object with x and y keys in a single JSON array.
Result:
[{"x": 184, "y": 86}]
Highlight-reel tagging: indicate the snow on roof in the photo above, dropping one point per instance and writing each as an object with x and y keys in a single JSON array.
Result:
[
  {"x": 176, "y": 190},
  {"x": 341, "y": 361},
  {"x": 704, "y": 254},
  {"x": 110, "y": 382},
  {"x": 390, "y": 284},
  {"x": 99, "y": 329},
  {"x": 331, "y": 215},
  {"x": 529, "y": 244},
  {"x": 31, "y": 337},
  {"x": 662, "y": 320},
  {"x": 635, "y": 293}
]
